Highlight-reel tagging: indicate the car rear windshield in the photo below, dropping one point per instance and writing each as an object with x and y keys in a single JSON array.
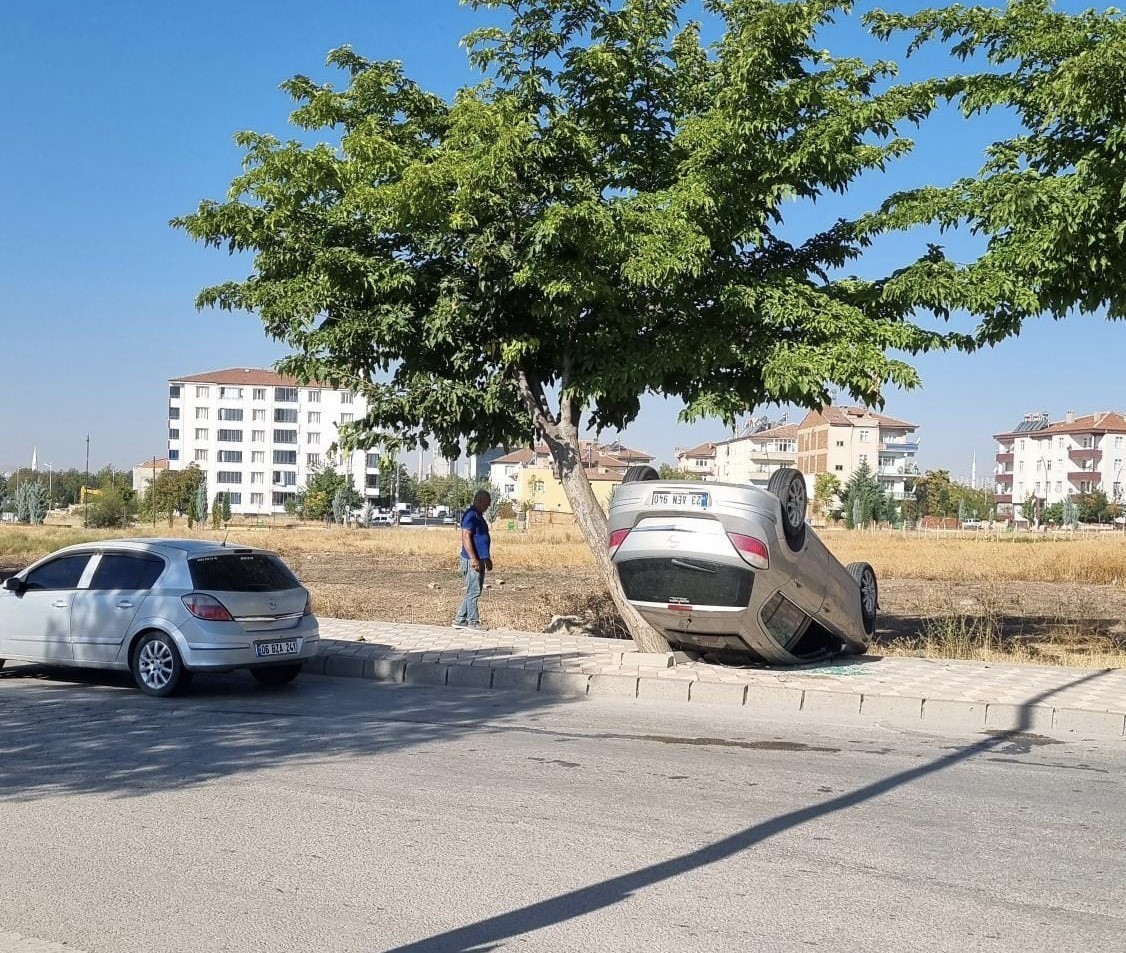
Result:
[
  {"x": 241, "y": 572},
  {"x": 696, "y": 582}
]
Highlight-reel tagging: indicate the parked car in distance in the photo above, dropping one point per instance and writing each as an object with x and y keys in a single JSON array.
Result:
[
  {"x": 161, "y": 609},
  {"x": 405, "y": 519},
  {"x": 380, "y": 519},
  {"x": 972, "y": 524},
  {"x": 735, "y": 570}
]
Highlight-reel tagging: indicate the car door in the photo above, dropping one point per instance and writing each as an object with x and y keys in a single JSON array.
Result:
[
  {"x": 102, "y": 613},
  {"x": 35, "y": 623}
]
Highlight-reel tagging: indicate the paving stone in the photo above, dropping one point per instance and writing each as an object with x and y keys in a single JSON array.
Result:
[
  {"x": 1005, "y": 717},
  {"x": 821, "y": 702},
  {"x": 425, "y": 673},
  {"x": 943, "y": 713},
  {"x": 649, "y": 659},
  {"x": 384, "y": 669},
  {"x": 769, "y": 698},
  {"x": 515, "y": 679},
  {"x": 469, "y": 676},
  {"x": 716, "y": 693},
  {"x": 1090, "y": 724},
  {"x": 563, "y": 683},
  {"x": 655, "y": 688},
  {"x": 620, "y": 686}
]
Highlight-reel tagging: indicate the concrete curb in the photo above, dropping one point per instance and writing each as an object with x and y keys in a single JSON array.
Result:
[{"x": 648, "y": 686}]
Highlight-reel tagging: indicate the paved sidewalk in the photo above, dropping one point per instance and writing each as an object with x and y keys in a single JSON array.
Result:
[{"x": 923, "y": 693}]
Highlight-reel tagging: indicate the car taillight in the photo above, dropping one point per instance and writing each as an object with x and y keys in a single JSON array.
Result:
[
  {"x": 617, "y": 537},
  {"x": 308, "y": 606},
  {"x": 206, "y": 607},
  {"x": 753, "y": 551}
]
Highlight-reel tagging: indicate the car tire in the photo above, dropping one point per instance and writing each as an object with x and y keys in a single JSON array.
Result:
[
  {"x": 276, "y": 674},
  {"x": 788, "y": 485},
  {"x": 865, "y": 577},
  {"x": 638, "y": 474},
  {"x": 157, "y": 667}
]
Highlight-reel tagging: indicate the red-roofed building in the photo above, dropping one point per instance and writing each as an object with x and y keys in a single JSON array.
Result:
[
  {"x": 1048, "y": 461},
  {"x": 753, "y": 455},
  {"x": 698, "y": 460},
  {"x": 604, "y": 463},
  {"x": 836, "y": 439}
]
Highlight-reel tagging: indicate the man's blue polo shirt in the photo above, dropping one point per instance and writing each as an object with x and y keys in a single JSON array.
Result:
[{"x": 475, "y": 523}]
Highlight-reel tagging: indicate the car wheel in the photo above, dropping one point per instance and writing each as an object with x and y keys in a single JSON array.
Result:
[
  {"x": 276, "y": 674},
  {"x": 157, "y": 666},
  {"x": 865, "y": 577},
  {"x": 639, "y": 473},
  {"x": 788, "y": 485}
]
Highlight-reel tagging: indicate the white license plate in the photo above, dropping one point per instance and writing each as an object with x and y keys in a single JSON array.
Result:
[
  {"x": 678, "y": 498},
  {"x": 266, "y": 649}
]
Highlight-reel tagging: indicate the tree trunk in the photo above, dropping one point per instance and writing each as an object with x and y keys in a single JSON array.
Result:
[{"x": 561, "y": 433}]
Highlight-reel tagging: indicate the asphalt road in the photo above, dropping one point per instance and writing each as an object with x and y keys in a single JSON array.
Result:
[{"x": 338, "y": 815}]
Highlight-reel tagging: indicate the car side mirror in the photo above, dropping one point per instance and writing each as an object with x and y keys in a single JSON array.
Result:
[{"x": 14, "y": 584}]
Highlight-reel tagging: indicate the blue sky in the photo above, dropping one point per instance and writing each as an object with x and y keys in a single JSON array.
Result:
[{"x": 119, "y": 115}]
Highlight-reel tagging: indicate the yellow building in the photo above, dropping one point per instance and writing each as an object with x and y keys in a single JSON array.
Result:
[{"x": 538, "y": 488}]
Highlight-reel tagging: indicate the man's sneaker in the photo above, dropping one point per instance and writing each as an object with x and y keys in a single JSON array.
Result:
[
  {"x": 462, "y": 625},
  {"x": 476, "y": 627}
]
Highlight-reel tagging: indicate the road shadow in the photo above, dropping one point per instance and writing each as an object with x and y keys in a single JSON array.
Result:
[
  {"x": 80, "y": 731},
  {"x": 490, "y": 933}
]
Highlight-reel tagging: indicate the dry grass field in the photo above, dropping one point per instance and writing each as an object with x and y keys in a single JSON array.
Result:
[{"x": 1033, "y": 599}]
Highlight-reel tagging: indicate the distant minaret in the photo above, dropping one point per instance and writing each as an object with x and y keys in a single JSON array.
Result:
[{"x": 973, "y": 472}]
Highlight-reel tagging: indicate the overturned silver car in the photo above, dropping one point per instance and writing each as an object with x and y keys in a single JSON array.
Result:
[{"x": 735, "y": 570}]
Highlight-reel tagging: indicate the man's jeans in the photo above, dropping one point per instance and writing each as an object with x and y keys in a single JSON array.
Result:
[{"x": 474, "y": 582}]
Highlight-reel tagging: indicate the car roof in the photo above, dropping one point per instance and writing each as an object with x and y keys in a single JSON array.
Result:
[{"x": 165, "y": 546}]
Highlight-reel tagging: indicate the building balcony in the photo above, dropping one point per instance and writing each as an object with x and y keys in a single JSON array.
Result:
[
  {"x": 1006, "y": 457},
  {"x": 1005, "y": 476},
  {"x": 1003, "y": 498},
  {"x": 1086, "y": 453},
  {"x": 1076, "y": 475},
  {"x": 900, "y": 446}
]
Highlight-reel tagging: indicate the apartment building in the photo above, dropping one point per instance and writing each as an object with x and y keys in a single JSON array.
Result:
[
  {"x": 698, "y": 460},
  {"x": 836, "y": 439},
  {"x": 1048, "y": 461},
  {"x": 259, "y": 435},
  {"x": 752, "y": 456}
]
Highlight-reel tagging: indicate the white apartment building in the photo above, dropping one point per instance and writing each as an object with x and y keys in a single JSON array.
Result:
[
  {"x": 836, "y": 439},
  {"x": 1049, "y": 461},
  {"x": 698, "y": 460},
  {"x": 752, "y": 457},
  {"x": 259, "y": 436}
]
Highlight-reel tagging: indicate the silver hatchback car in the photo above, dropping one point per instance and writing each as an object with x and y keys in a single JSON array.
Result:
[
  {"x": 736, "y": 571},
  {"x": 161, "y": 609}
]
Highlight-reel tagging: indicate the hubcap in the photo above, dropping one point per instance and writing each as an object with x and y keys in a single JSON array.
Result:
[
  {"x": 868, "y": 593},
  {"x": 795, "y": 503},
  {"x": 155, "y": 664}
]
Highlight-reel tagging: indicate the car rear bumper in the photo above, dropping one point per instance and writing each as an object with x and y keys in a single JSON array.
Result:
[{"x": 215, "y": 656}]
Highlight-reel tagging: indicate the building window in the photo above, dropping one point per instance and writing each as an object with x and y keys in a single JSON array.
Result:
[
  {"x": 201, "y": 433},
  {"x": 201, "y": 456},
  {"x": 1117, "y": 443},
  {"x": 865, "y": 436},
  {"x": 285, "y": 436},
  {"x": 201, "y": 413},
  {"x": 373, "y": 461},
  {"x": 345, "y": 419},
  {"x": 285, "y": 395},
  {"x": 257, "y": 499},
  {"x": 257, "y": 456},
  {"x": 313, "y": 438},
  {"x": 230, "y": 393},
  {"x": 314, "y": 416},
  {"x": 259, "y": 393},
  {"x": 280, "y": 499},
  {"x": 230, "y": 436},
  {"x": 1047, "y": 464},
  {"x": 173, "y": 454},
  {"x": 313, "y": 396},
  {"x": 257, "y": 477},
  {"x": 228, "y": 476},
  {"x": 346, "y": 397},
  {"x": 1060, "y": 443},
  {"x": 282, "y": 416},
  {"x": 1059, "y": 486},
  {"x": 258, "y": 436},
  {"x": 840, "y": 443},
  {"x": 839, "y": 467},
  {"x": 258, "y": 414},
  {"x": 202, "y": 391},
  {"x": 372, "y": 481},
  {"x": 285, "y": 478},
  {"x": 235, "y": 499},
  {"x": 173, "y": 433},
  {"x": 230, "y": 456},
  {"x": 1020, "y": 466},
  {"x": 230, "y": 413},
  {"x": 286, "y": 457},
  {"x": 1022, "y": 446},
  {"x": 173, "y": 413},
  {"x": 173, "y": 391},
  {"x": 312, "y": 460}
]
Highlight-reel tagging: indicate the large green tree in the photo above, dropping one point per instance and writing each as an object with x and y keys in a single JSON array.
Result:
[{"x": 601, "y": 216}]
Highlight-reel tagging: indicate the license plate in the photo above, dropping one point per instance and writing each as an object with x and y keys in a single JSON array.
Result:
[
  {"x": 679, "y": 498},
  {"x": 266, "y": 649}
]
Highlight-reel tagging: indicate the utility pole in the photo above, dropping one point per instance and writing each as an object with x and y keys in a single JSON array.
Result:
[
  {"x": 86, "y": 507},
  {"x": 152, "y": 493}
]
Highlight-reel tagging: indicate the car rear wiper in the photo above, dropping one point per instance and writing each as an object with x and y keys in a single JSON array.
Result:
[{"x": 684, "y": 564}]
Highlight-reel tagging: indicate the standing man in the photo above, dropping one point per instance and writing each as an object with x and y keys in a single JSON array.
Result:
[{"x": 475, "y": 560}]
